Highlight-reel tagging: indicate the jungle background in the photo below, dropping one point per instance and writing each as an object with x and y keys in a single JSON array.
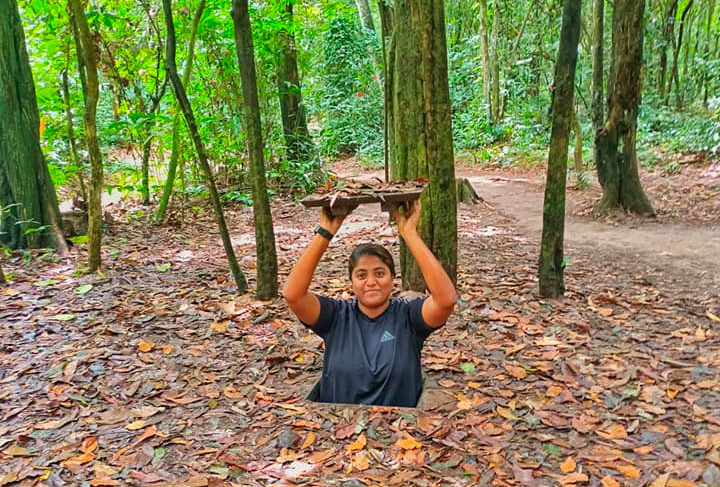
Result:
[{"x": 144, "y": 364}]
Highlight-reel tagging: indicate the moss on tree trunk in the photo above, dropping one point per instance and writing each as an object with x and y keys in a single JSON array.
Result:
[
  {"x": 264, "y": 234},
  {"x": 422, "y": 131},
  {"x": 617, "y": 163},
  {"x": 550, "y": 268},
  {"x": 29, "y": 214}
]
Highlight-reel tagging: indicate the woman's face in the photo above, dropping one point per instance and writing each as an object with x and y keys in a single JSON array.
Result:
[{"x": 372, "y": 281}]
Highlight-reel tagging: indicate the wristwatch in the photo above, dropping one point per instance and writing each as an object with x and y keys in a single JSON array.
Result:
[{"x": 324, "y": 232}]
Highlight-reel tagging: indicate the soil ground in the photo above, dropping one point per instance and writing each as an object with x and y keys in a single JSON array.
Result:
[{"x": 157, "y": 373}]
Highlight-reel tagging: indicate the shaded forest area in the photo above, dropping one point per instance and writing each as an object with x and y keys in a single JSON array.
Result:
[{"x": 152, "y": 155}]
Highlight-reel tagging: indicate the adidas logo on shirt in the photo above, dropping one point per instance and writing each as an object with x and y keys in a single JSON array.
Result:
[{"x": 386, "y": 337}]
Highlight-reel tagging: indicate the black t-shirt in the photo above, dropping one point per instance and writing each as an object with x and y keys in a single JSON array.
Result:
[{"x": 371, "y": 360}]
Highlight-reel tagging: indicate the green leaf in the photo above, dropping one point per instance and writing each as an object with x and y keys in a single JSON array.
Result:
[
  {"x": 553, "y": 450},
  {"x": 63, "y": 317},
  {"x": 47, "y": 282},
  {"x": 467, "y": 367},
  {"x": 80, "y": 239},
  {"x": 157, "y": 456},
  {"x": 85, "y": 288},
  {"x": 163, "y": 267}
]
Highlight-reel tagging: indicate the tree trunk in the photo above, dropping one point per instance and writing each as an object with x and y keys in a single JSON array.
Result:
[
  {"x": 485, "y": 55},
  {"x": 598, "y": 66},
  {"x": 617, "y": 164},
  {"x": 495, "y": 110},
  {"x": 577, "y": 150},
  {"x": 295, "y": 130},
  {"x": 29, "y": 214},
  {"x": 422, "y": 129},
  {"x": 551, "y": 266},
  {"x": 147, "y": 143},
  {"x": 264, "y": 235},
  {"x": 70, "y": 127},
  {"x": 175, "y": 151},
  {"x": 674, "y": 75},
  {"x": 366, "y": 19},
  {"x": 668, "y": 37},
  {"x": 186, "y": 108},
  {"x": 387, "y": 28},
  {"x": 708, "y": 53},
  {"x": 87, "y": 64},
  {"x": 2, "y": 275}
]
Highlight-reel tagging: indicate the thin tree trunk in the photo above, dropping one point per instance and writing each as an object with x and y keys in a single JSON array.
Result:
[
  {"x": 147, "y": 144},
  {"x": 520, "y": 33},
  {"x": 87, "y": 57},
  {"x": 496, "y": 112},
  {"x": 551, "y": 265},
  {"x": 264, "y": 235},
  {"x": 74, "y": 157},
  {"x": 175, "y": 151},
  {"x": 708, "y": 39},
  {"x": 676, "y": 54},
  {"x": 184, "y": 103},
  {"x": 577, "y": 150},
  {"x": 617, "y": 165},
  {"x": 485, "y": 45},
  {"x": 598, "y": 66},
  {"x": 366, "y": 19},
  {"x": 297, "y": 136},
  {"x": 668, "y": 39},
  {"x": 2, "y": 275},
  {"x": 387, "y": 35}
]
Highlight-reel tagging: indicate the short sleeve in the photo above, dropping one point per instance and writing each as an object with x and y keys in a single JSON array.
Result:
[
  {"x": 416, "y": 320},
  {"x": 328, "y": 313}
]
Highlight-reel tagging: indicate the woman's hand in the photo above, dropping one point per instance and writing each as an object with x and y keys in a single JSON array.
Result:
[
  {"x": 408, "y": 219},
  {"x": 330, "y": 222}
]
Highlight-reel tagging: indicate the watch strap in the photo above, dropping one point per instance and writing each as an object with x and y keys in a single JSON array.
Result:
[{"x": 324, "y": 232}]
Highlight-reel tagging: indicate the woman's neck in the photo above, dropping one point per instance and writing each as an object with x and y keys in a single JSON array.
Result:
[{"x": 375, "y": 311}]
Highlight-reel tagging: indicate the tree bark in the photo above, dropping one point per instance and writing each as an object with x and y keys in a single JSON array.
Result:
[
  {"x": 617, "y": 164},
  {"x": 708, "y": 51},
  {"x": 495, "y": 109},
  {"x": 598, "y": 66},
  {"x": 422, "y": 129},
  {"x": 387, "y": 33},
  {"x": 551, "y": 266},
  {"x": 485, "y": 46},
  {"x": 175, "y": 150},
  {"x": 264, "y": 234},
  {"x": 87, "y": 64},
  {"x": 29, "y": 214},
  {"x": 366, "y": 19},
  {"x": 668, "y": 37},
  {"x": 674, "y": 75},
  {"x": 187, "y": 111},
  {"x": 70, "y": 127},
  {"x": 298, "y": 143}
]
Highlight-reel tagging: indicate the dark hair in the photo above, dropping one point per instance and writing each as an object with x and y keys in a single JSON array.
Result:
[{"x": 371, "y": 249}]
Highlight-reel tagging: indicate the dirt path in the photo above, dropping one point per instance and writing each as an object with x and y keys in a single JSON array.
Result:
[{"x": 684, "y": 249}]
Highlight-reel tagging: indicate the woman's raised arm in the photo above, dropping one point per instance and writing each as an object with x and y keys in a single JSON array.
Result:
[
  {"x": 305, "y": 304},
  {"x": 439, "y": 306}
]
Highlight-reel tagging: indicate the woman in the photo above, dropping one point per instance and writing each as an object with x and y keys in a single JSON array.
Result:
[{"x": 373, "y": 342}]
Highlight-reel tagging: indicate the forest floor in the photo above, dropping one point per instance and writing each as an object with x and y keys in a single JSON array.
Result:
[{"x": 157, "y": 373}]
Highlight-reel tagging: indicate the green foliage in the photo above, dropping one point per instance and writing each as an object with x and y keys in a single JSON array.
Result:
[
  {"x": 690, "y": 131},
  {"x": 342, "y": 87},
  {"x": 348, "y": 99},
  {"x": 237, "y": 197}
]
